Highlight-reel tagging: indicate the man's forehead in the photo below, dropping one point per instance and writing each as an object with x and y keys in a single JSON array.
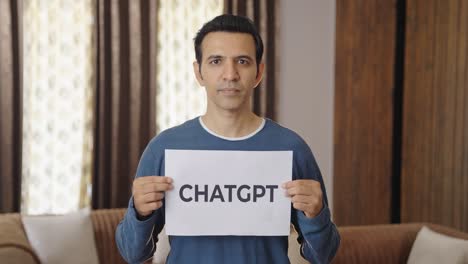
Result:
[{"x": 222, "y": 41}]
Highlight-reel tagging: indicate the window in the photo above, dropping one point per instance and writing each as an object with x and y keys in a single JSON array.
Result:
[
  {"x": 58, "y": 84},
  {"x": 59, "y": 80},
  {"x": 179, "y": 97}
]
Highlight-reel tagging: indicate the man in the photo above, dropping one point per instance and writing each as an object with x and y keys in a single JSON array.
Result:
[{"x": 228, "y": 64}]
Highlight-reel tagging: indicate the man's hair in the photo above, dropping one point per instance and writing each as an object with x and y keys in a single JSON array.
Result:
[{"x": 229, "y": 23}]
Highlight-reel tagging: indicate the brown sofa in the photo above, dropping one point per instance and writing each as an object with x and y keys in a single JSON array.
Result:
[
  {"x": 383, "y": 244},
  {"x": 362, "y": 244},
  {"x": 15, "y": 249}
]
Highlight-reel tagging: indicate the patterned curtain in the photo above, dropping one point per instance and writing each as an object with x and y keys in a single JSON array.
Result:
[
  {"x": 90, "y": 77},
  {"x": 59, "y": 78},
  {"x": 179, "y": 97},
  {"x": 10, "y": 105},
  {"x": 264, "y": 15}
]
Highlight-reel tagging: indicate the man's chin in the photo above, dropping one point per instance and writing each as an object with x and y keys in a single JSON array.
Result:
[
  {"x": 230, "y": 104},
  {"x": 230, "y": 107}
]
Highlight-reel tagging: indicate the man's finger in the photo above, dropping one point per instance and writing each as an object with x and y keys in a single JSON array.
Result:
[
  {"x": 153, "y": 197},
  {"x": 300, "y": 190},
  {"x": 156, "y": 187},
  {"x": 149, "y": 207},
  {"x": 301, "y": 199},
  {"x": 294, "y": 183},
  {"x": 157, "y": 179},
  {"x": 301, "y": 206}
]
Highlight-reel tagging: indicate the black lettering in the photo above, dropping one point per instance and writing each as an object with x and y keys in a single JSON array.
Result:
[
  {"x": 181, "y": 193},
  {"x": 230, "y": 187},
  {"x": 244, "y": 200},
  {"x": 198, "y": 193},
  {"x": 201, "y": 193},
  {"x": 257, "y": 194},
  {"x": 217, "y": 194},
  {"x": 272, "y": 188}
]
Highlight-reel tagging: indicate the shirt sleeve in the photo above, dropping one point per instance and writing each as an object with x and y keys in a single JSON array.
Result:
[
  {"x": 318, "y": 236},
  {"x": 136, "y": 239}
]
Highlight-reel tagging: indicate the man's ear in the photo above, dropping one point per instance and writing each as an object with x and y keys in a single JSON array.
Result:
[
  {"x": 261, "y": 68},
  {"x": 197, "y": 71}
]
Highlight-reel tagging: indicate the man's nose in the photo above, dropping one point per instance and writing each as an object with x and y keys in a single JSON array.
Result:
[{"x": 230, "y": 72}]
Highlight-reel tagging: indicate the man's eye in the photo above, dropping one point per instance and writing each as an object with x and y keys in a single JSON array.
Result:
[
  {"x": 242, "y": 61},
  {"x": 216, "y": 61}
]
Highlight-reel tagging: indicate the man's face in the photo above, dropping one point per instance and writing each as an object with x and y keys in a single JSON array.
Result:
[{"x": 228, "y": 70}]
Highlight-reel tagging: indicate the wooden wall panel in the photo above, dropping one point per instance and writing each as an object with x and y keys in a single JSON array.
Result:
[
  {"x": 364, "y": 80},
  {"x": 435, "y": 120}
]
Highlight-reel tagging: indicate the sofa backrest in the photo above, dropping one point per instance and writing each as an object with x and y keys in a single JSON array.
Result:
[{"x": 359, "y": 244}]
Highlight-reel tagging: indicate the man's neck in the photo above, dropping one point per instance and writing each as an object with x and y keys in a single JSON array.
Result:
[{"x": 232, "y": 124}]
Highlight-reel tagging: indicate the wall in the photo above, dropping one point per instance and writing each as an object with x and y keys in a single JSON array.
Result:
[
  {"x": 401, "y": 115},
  {"x": 364, "y": 106},
  {"x": 306, "y": 77},
  {"x": 434, "y": 172}
]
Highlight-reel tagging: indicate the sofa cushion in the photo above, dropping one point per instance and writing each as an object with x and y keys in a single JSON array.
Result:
[
  {"x": 431, "y": 247},
  {"x": 14, "y": 246},
  {"x": 62, "y": 238},
  {"x": 162, "y": 248},
  {"x": 294, "y": 248}
]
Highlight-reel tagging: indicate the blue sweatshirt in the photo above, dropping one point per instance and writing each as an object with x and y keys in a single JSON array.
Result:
[{"x": 318, "y": 236}]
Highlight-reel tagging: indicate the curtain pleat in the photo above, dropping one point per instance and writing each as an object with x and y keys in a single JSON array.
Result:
[
  {"x": 125, "y": 117},
  {"x": 10, "y": 105}
]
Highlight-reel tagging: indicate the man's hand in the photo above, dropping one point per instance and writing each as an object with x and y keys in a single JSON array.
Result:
[
  {"x": 148, "y": 192},
  {"x": 306, "y": 195}
]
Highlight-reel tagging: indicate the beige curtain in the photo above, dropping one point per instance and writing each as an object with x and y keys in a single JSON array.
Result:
[
  {"x": 264, "y": 15},
  {"x": 125, "y": 96},
  {"x": 10, "y": 105},
  {"x": 58, "y": 83}
]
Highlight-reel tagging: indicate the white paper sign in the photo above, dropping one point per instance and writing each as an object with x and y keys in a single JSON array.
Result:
[{"x": 228, "y": 192}]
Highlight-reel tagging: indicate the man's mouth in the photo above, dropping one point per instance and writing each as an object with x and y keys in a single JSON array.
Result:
[{"x": 228, "y": 91}]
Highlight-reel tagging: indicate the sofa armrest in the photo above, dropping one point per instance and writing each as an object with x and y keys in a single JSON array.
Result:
[
  {"x": 105, "y": 223},
  {"x": 14, "y": 245},
  {"x": 376, "y": 243},
  {"x": 383, "y": 243}
]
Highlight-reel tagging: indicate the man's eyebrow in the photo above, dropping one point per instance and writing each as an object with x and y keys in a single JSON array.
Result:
[
  {"x": 211, "y": 57},
  {"x": 244, "y": 57}
]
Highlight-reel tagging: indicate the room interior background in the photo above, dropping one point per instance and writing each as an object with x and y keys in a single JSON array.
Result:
[
  {"x": 395, "y": 101},
  {"x": 125, "y": 87}
]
